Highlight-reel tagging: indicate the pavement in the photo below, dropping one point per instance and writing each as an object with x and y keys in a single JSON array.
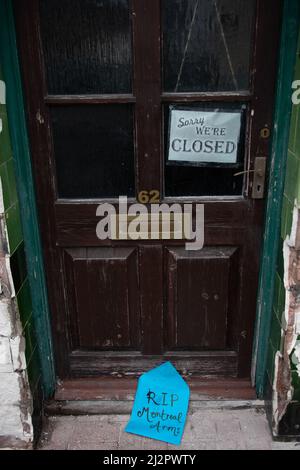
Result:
[{"x": 206, "y": 429}]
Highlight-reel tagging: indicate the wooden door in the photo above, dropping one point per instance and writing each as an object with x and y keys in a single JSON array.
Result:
[{"x": 101, "y": 79}]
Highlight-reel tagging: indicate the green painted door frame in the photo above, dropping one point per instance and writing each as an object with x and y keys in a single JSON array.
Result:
[
  {"x": 279, "y": 147},
  {"x": 21, "y": 154},
  {"x": 10, "y": 65}
]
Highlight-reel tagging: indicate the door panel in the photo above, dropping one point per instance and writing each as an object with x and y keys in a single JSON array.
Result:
[
  {"x": 99, "y": 81},
  {"x": 103, "y": 316},
  {"x": 198, "y": 297}
]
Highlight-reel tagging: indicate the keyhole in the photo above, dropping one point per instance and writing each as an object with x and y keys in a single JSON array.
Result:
[{"x": 265, "y": 133}]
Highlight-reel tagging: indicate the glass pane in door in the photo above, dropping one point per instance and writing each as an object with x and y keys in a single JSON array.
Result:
[
  {"x": 206, "y": 45},
  {"x": 94, "y": 150},
  {"x": 87, "y": 46}
]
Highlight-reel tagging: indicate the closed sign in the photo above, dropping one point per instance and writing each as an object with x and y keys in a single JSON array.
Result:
[{"x": 204, "y": 136}]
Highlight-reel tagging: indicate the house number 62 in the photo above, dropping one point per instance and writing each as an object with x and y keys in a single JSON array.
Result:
[{"x": 152, "y": 197}]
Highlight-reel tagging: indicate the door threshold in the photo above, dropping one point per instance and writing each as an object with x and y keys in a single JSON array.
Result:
[{"x": 106, "y": 395}]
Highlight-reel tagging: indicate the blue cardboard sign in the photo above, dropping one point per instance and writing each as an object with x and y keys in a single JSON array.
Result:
[{"x": 161, "y": 405}]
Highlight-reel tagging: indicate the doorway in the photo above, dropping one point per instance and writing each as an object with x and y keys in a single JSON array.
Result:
[{"x": 102, "y": 80}]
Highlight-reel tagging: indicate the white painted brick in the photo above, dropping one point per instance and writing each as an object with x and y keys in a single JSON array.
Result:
[
  {"x": 17, "y": 346},
  {"x": 5, "y": 356},
  {"x": 10, "y": 392},
  {"x": 11, "y": 421},
  {"x": 5, "y": 320},
  {"x": 298, "y": 323}
]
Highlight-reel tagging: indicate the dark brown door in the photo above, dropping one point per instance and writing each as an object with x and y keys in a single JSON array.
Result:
[{"x": 101, "y": 79}]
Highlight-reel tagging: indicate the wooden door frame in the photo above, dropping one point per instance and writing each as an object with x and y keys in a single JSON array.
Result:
[
  {"x": 29, "y": 218},
  {"x": 70, "y": 223},
  {"x": 9, "y": 61},
  {"x": 279, "y": 148}
]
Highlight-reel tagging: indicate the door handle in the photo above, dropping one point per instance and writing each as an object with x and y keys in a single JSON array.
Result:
[
  {"x": 258, "y": 188},
  {"x": 259, "y": 178}
]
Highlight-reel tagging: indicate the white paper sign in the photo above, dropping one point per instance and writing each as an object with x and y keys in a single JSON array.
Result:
[{"x": 204, "y": 136}]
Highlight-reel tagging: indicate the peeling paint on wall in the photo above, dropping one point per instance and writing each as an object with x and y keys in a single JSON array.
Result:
[{"x": 290, "y": 345}]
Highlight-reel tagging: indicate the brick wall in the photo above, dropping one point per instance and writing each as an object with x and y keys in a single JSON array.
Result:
[
  {"x": 19, "y": 365},
  {"x": 283, "y": 375}
]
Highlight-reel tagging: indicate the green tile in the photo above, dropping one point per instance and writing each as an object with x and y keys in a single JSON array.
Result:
[
  {"x": 12, "y": 180},
  {"x": 280, "y": 268},
  {"x": 28, "y": 345},
  {"x": 297, "y": 68},
  {"x": 283, "y": 217},
  {"x": 297, "y": 143},
  {"x": 281, "y": 301},
  {"x": 279, "y": 298},
  {"x": 291, "y": 179},
  {"x": 25, "y": 311},
  {"x": 8, "y": 183},
  {"x": 296, "y": 385},
  {"x": 293, "y": 366},
  {"x": 5, "y": 145},
  {"x": 30, "y": 338},
  {"x": 14, "y": 229},
  {"x": 293, "y": 126},
  {"x": 289, "y": 221},
  {"x": 280, "y": 262},
  {"x": 276, "y": 292},
  {"x": 24, "y": 302},
  {"x": 271, "y": 361},
  {"x": 33, "y": 368},
  {"x": 275, "y": 333},
  {"x": 286, "y": 217},
  {"x": 297, "y": 191},
  {"x": 5, "y": 186},
  {"x": 18, "y": 267}
]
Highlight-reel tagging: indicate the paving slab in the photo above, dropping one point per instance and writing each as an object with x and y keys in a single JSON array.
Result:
[{"x": 206, "y": 429}]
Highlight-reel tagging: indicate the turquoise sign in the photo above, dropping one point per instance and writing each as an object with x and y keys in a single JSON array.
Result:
[{"x": 161, "y": 405}]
